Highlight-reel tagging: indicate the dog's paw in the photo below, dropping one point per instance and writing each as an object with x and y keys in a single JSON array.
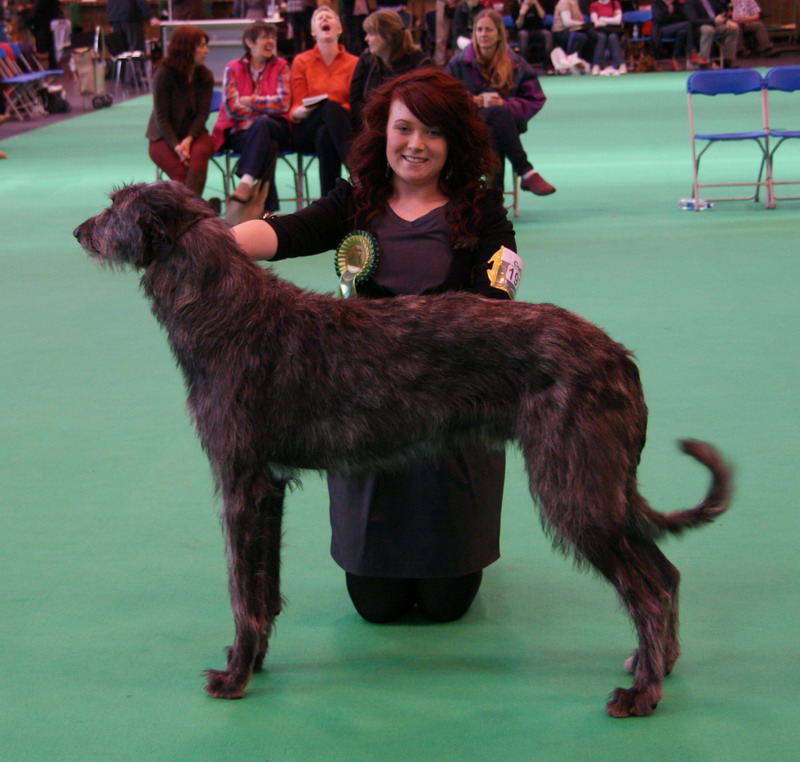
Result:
[
  {"x": 222, "y": 685},
  {"x": 627, "y": 702}
]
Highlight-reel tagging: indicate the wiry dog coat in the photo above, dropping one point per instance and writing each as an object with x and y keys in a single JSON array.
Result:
[{"x": 280, "y": 379}]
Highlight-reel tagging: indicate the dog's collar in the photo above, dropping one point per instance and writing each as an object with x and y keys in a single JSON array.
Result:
[{"x": 166, "y": 246}]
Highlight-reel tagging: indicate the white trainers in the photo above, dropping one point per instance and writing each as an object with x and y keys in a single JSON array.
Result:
[
  {"x": 608, "y": 71},
  {"x": 623, "y": 69},
  {"x": 595, "y": 70}
]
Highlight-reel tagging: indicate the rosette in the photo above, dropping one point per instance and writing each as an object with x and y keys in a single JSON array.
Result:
[{"x": 356, "y": 260}]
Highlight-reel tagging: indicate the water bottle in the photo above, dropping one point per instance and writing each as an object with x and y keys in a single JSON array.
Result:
[
  {"x": 635, "y": 31},
  {"x": 694, "y": 204},
  {"x": 271, "y": 10}
]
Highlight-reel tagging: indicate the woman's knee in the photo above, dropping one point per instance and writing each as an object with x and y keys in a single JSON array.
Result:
[
  {"x": 448, "y": 599},
  {"x": 380, "y": 600}
]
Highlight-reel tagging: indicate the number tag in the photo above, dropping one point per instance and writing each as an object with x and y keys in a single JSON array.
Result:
[{"x": 505, "y": 271}]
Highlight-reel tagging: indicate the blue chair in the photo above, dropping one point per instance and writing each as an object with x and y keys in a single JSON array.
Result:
[
  {"x": 719, "y": 83},
  {"x": 785, "y": 79}
]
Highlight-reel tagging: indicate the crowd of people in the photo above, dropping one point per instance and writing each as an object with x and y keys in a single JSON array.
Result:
[{"x": 316, "y": 104}]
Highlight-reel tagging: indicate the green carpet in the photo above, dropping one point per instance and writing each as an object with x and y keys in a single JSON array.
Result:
[{"x": 111, "y": 559}]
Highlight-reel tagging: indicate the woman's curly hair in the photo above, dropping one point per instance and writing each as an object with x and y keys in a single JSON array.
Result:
[
  {"x": 180, "y": 52},
  {"x": 437, "y": 100}
]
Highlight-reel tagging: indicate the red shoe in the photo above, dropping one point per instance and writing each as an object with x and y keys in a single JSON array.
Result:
[{"x": 535, "y": 183}]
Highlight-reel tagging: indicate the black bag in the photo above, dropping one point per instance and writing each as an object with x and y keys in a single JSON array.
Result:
[{"x": 55, "y": 102}]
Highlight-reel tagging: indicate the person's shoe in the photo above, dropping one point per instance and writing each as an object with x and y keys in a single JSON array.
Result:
[
  {"x": 699, "y": 60},
  {"x": 595, "y": 70},
  {"x": 609, "y": 71},
  {"x": 729, "y": 65},
  {"x": 623, "y": 69},
  {"x": 675, "y": 65},
  {"x": 243, "y": 193},
  {"x": 770, "y": 52},
  {"x": 535, "y": 183},
  {"x": 2, "y": 155},
  {"x": 6, "y": 117}
]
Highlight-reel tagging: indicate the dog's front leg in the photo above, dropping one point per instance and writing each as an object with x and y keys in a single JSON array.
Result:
[{"x": 252, "y": 530}]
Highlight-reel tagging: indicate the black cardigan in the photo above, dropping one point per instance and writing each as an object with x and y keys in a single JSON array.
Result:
[{"x": 322, "y": 225}]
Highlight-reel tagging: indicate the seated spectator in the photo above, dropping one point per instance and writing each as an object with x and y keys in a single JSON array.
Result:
[
  {"x": 253, "y": 120},
  {"x": 464, "y": 20},
  {"x": 179, "y": 144},
  {"x": 390, "y": 52},
  {"x": 324, "y": 127},
  {"x": 753, "y": 35},
  {"x": 606, "y": 17},
  {"x": 710, "y": 17},
  {"x": 570, "y": 30},
  {"x": 506, "y": 90},
  {"x": 529, "y": 19},
  {"x": 670, "y": 21}
]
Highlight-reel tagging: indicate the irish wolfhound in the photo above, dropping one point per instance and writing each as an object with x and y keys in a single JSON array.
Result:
[{"x": 280, "y": 379}]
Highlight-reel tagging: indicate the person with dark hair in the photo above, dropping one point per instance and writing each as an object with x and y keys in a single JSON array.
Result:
[
  {"x": 506, "y": 90},
  {"x": 606, "y": 17},
  {"x": 42, "y": 13},
  {"x": 670, "y": 21},
  {"x": 322, "y": 126},
  {"x": 529, "y": 16},
  {"x": 128, "y": 17},
  {"x": 420, "y": 201},
  {"x": 390, "y": 52},
  {"x": 710, "y": 19},
  {"x": 253, "y": 120},
  {"x": 182, "y": 86}
]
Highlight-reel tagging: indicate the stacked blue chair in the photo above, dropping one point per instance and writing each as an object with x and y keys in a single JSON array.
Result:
[
  {"x": 736, "y": 82},
  {"x": 784, "y": 79}
]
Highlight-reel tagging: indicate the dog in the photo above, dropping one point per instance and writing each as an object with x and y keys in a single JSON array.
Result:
[{"x": 280, "y": 380}]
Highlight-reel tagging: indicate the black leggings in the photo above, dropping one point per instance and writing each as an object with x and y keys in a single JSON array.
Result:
[
  {"x": 506, "y": 142},
  {"x": 382, "y": 600}
]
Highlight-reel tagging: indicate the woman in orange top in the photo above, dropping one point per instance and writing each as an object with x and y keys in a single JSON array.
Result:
[{"x": 323, "y": 128}]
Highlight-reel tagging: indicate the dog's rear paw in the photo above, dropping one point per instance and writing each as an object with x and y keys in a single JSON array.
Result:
[
  {"x": 222, "y": 685},
  {"x": 631, "y": 703}
]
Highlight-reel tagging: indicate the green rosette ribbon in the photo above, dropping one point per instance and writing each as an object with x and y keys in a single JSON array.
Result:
[{"x": 356, "y": 260}]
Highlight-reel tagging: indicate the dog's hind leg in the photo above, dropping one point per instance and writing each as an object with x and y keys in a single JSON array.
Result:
[
  {"x": 647, "y": 584},
  {"x": 252, "y": 521},
  {"x": 270, "y": 571}
]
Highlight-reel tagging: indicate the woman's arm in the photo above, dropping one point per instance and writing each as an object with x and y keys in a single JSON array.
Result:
[
  {"x": 162, "y": 101},
  {"x": 526, "y": 99},
  {"x": 494, "y": 230},
  {"x": 317, "y": 228},
  {"x": 277, "y": 102},
  {"x": 257, "y": 238},
  {"x": 206, "y": 87}
]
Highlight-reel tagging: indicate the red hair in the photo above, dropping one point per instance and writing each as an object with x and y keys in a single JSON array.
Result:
[{"x": 437, "y": 100}]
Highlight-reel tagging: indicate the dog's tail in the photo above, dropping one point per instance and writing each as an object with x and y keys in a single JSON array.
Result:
[{"x": 713, "y": 504}]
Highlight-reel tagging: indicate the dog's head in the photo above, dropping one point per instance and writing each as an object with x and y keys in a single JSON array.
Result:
[{"x": 143, "y": 223}]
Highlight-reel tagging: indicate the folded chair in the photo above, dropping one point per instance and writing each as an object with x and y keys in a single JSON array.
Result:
[
  {"x": 719, "y": 83},
  {"x": 21, "y": 88},
  {"x": 781, "y": 113}
]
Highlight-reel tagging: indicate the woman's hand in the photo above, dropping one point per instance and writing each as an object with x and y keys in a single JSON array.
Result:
[
  {"x": 184, "y": 149},
  {"x": 300, "y": 113},
  {"x": 492, "y": 99},
  {"x": 246, "y": 101}
]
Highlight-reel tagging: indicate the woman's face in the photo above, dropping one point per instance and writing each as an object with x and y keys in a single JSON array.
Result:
[
  {"x": 378, "y": 46},
  {"x": 325, "y": 25},
  {"x": 416, "y": 152},
  {"x": 486, "y": 35},
  {"x": 263, "y": 48},
  {"x": 200, "y": 52}
]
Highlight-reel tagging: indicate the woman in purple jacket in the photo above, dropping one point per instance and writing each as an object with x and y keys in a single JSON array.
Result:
[{"x": 506, "y": 90}]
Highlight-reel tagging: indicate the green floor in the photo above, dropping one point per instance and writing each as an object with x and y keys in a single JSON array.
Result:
[{"x": 113, "y": 581}]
